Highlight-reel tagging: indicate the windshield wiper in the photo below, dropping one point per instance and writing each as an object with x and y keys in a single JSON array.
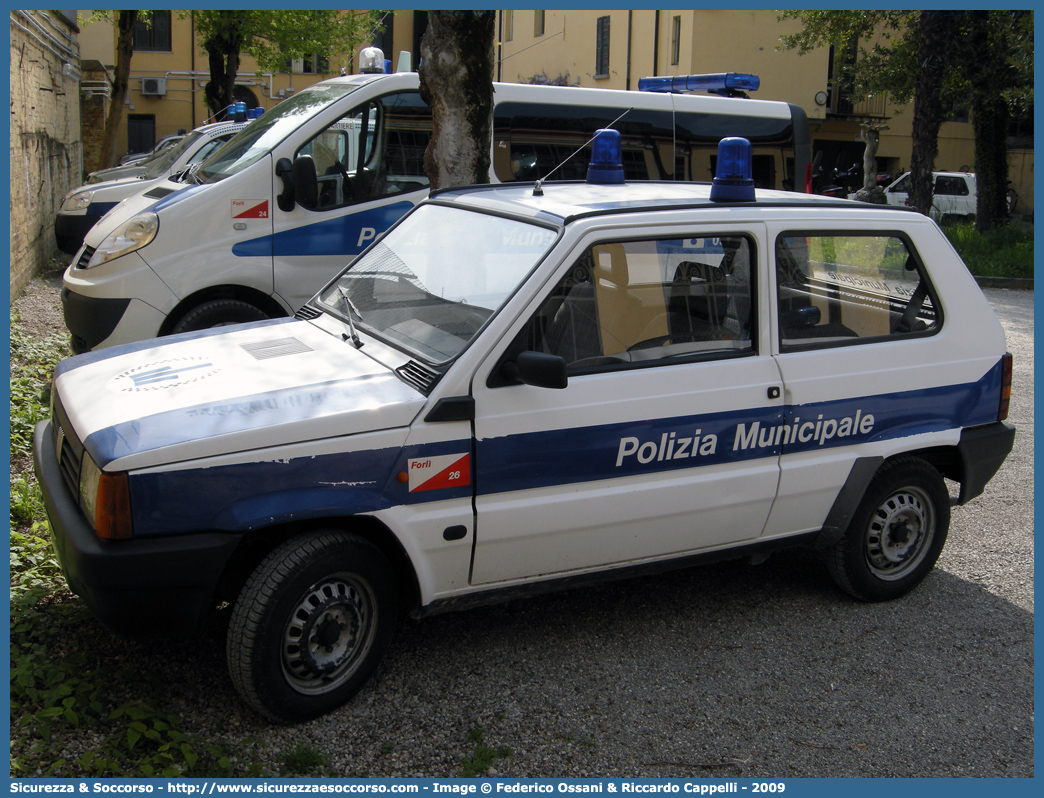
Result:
[{"x": 351, "y": 324}]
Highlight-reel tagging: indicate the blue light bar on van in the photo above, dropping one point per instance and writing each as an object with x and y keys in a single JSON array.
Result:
[
  {"x": 606, "y": 158},
  {"x": 733, "y": 180},
  {"x": 721, "y": 82}
]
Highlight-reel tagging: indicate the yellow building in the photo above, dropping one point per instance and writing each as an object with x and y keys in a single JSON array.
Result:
[
  {"x": 169, "y": 70},
  {"x": 609, "y": 49}
]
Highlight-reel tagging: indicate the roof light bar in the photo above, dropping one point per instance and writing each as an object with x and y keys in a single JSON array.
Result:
[{"x": 719, "y": 82}]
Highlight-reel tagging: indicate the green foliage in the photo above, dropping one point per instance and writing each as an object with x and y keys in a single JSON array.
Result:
[
  {"x": 1002, "y": 252},
  {"x": 273, "y": 36},
  {"x": 59, "y": 680},
  {"x": 884, "y": 41},
  {"x": 483, "y": 757},
  {"x": 32, "y": 364},
  {"x": 304, "y": 760}
]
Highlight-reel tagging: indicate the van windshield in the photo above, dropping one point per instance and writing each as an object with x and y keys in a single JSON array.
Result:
[
  {"x": 161, "y": 165},
  {"x": 259, "y": 137},
  {"x": 432, "y": 282}
]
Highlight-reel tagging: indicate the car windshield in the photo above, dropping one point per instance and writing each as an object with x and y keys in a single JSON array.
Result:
[
  {"x": 167, "y": 157},
  {"x": 259, "y": 137},
  {"x": 432, "y": 282}
]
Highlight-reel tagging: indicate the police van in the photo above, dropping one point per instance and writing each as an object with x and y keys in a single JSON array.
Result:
[
  {"x": 82, "y": 207},
  {"x": 526, "y": 387},
  {"x": 274, "y": 214}
]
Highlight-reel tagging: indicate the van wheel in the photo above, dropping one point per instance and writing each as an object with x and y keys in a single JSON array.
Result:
[
  {"x": 310, "y": 625},
  {"x": 218, "y": 313},
  {"x": 896, "y": 534}
]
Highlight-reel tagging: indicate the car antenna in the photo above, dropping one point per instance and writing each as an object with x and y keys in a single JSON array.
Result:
[{"x": 538, "y": 190}]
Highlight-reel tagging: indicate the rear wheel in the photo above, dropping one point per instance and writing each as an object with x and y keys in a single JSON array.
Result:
[
  {"x": 218, "y": 313},
  {"x": 310, "y": 625},
  {"x": 896, "y": 534}
]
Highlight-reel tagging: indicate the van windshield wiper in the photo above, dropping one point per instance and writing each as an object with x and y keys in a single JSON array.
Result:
[{"x": 356, "y": 341}]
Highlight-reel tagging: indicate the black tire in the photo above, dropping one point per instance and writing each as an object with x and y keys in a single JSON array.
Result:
[
  {"x": 896, "y": 534},
  {"x": 218, "y": 313},
  {"x": 332, "y": 588}
]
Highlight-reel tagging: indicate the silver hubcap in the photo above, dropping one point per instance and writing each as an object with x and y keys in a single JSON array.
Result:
[
  {"x": 328, "y": 634},
  {"x": 899, "y": 534}
]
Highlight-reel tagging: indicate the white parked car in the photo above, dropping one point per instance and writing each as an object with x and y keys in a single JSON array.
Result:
[
  {"x": 525, "y": 387},
  {"x": 953, "y": 197},
  {"x": 82, "y": 207}
]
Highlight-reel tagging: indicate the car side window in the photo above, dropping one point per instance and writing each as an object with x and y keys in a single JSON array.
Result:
[
  {"x": 951, "y": 186},
  {"x": 844, "y": 288},
  {"x": 646, "y": 301},
  {"x": 374, "y": 151}
]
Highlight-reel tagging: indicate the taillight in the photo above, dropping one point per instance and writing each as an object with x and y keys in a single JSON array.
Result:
[{"x": 1005, "y": 399}]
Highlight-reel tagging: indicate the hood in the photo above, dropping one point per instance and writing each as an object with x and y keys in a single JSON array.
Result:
[{"x": 214, "y": 393}]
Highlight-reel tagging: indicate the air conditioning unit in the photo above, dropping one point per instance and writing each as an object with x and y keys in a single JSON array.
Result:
[{"x": 154, "y": 87}]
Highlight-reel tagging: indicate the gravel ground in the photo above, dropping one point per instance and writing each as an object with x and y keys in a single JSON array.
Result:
[{"x": 730, "y": 670}]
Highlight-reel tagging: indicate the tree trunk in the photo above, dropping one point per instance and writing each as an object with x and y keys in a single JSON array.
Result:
[
  {"x": 456, "y": 80},
  {"x": 124, "y": 51},
  {"x": 223, "y": 49},
  {"x": 935, "y": 29},
  {"x": 990, "y": 122}
]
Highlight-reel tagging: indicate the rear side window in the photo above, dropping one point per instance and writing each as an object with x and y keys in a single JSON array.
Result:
[{"x": 847, "y": 288}]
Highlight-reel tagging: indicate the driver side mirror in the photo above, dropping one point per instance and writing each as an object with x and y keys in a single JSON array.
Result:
[
  {"x": 300, "y": 183},
  {"x": 538, "y": 369}
]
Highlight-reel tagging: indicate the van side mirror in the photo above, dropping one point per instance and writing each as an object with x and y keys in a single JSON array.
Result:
[
  {"x": 538, "y": 369},
  {"x": 306, "y": 182},
  {"x": 284, "y": 170}
]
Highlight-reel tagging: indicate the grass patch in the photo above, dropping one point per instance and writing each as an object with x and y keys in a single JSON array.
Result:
[
  {"x": 1004, "y": 252},
  {"x": 305, "y": 760},
  {"x": 482, "y": 757}
]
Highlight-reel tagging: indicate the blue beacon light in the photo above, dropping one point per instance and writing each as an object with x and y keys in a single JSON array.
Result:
[
  {"x": 606, "y": 158},
  {"x": 733, "y": 181}
]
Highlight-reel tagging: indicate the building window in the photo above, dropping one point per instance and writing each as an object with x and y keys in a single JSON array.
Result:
[
  {"x": 538, "y": 23},
  {"x": 602, "y": 48},
  {"x": 509, "y": 26},
  {"x": 152, "y": 33},
  {"x": 675, "y": 41}
]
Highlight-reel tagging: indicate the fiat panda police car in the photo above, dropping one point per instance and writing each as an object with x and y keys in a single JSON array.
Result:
[{"x": 523, "y": 387}]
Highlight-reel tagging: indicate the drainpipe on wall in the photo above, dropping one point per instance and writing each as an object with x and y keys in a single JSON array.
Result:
[
  {"x": 630, "y": 20},
  {"x": 656, "y": 44}
]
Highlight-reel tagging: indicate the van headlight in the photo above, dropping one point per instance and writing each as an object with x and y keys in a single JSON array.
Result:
[
  {"x": 105, "y": 500},
  {"x": 76, "y": 202},
  {"x": 135, "y": 233}
]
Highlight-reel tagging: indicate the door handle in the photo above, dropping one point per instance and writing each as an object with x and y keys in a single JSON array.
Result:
[{"x": 774, "y": 392}]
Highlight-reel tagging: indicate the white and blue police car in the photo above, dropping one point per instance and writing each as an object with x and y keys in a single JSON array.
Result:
[{"x": 529, "y": 386}]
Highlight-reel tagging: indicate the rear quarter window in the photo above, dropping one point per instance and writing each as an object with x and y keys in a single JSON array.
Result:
[{"x": 838, "y": 289}]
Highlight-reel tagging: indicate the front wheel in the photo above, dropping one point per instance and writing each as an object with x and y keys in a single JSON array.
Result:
[
  {"x": 896, "y": 534},
  {"x": 218, "y": 313},
  {"x": 310, "y": 625}
]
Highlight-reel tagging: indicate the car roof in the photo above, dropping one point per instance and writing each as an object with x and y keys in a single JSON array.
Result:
[{"x": 561, "y": 202}]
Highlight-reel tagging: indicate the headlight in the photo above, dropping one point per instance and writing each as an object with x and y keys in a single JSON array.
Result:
[
  {"x": 135, "y": 233},
  {"x": 105, "y": 500},
  {"x": 77, "y": 202}
]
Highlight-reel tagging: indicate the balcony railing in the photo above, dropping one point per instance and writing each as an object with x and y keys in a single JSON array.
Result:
[{"x": 875, "y": 105}]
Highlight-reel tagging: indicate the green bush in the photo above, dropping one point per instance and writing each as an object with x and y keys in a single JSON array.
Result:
[{"x": 1004, "y": 252}]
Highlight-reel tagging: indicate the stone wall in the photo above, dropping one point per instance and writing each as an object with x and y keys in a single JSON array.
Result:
[{"x": 45, "y": 158}]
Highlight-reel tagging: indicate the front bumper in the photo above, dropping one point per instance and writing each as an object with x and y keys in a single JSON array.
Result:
[
  {"x": 91, "y": 319},
  {"x": 144, "y": 587}
]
